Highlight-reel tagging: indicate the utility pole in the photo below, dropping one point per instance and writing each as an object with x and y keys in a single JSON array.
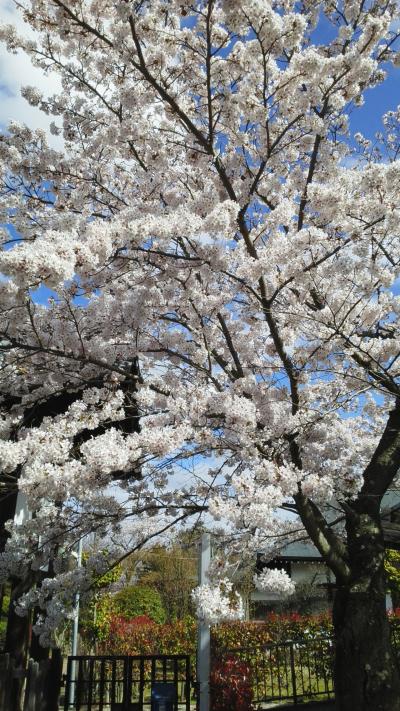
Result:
[{"x": 203, "y": 632}]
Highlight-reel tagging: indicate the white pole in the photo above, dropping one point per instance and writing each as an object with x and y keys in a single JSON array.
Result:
[
  {"x": 75, "y": 633},
  {"x": 22, "y": 512},
  {"x": 203, "y": 632}
]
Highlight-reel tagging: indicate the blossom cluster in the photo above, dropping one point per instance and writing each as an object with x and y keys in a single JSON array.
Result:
[
  {"x": 198, "y": 297},
  {"x": 218, "y": 603},
  {"x": 275, "y": 581}
]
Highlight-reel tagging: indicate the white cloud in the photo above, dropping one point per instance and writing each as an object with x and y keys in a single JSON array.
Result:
[{"x": 16, "y": 71}]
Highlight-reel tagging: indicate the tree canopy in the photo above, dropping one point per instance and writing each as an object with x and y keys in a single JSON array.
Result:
[{"x": 213, "y": 237}]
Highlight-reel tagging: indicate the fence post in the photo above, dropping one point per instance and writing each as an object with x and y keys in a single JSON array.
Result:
[
  {"x": 293, "y": 671},
  {"x": 31, "y": 687},
  {"x": 67, "y": 688},
  {"x": 53, "y": 680},
  {"x": 5, "y": 676}
]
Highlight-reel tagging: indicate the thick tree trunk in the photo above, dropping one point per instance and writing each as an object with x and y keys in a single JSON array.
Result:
[
  {"x": 366, "y": 671},
  {"x": 366, "y": 674},
  {"x": 17, "y": 641}
]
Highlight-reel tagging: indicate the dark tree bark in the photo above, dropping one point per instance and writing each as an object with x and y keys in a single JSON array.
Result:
[
  {"x": 17, "y": 640},
  {"x": 366, "y": 671},
  {"x": 36, "y": 650},
  {"x": 53, "y": 684}
]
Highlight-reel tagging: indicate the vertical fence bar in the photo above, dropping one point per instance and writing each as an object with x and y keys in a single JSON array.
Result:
[
  {"x": 293, "y": 670},
  {"x": 187, "y": 683},
  {"x": 175, "y": 672},
  {"x": 113, "y": 681},
  {"x": 271, "y": 675},
  {"x": 102, "y": 685},
  {"x": 141, "y": 683},
  {"x": 128, "y": 700},
  {"x": 90, "y": 685},
  {"x": 125, "y": 683},
  {"x": 78, "y": 686},
  {"x": 31, "y": 686},
  {"x": 68, "y": 684}
]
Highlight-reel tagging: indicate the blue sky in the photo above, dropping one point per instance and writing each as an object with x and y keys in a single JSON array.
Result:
[
  {"x": 367, "y": 118},
  {"x": 17, "y": 71}
]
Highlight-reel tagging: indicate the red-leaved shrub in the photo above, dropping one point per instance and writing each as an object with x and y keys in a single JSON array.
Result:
[
  {"x": 231, "y": 685},
  {"x": 141, "y": 635}
]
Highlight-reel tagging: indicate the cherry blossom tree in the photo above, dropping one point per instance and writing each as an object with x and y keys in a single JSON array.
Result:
[{"x": 212, "y": 220}]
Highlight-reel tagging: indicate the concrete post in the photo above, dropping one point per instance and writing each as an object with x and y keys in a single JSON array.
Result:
[
  {"x": 203, "y": 632},
  {"x": 75, "y": 632}
]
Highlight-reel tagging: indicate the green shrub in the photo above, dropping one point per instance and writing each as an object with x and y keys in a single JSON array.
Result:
[
  {"x": 3, "y": 617},
  {"x": 137, "y": 600},
  {"x": 231, "y": 635}
]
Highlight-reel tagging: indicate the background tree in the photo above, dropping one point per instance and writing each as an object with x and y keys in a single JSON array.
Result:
[
  {"x": 173, "y": 572},
  {"x": 213, "y": 220},
  {"x": 137, "y": 600}
]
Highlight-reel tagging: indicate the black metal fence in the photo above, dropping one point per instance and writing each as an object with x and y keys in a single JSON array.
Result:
[
  {"x": 109, "y": 683},
  {"x": 291, "y": 671}
]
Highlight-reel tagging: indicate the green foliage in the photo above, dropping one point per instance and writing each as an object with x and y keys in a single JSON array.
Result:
[
  {"x": 137, "y": 600},
  {"x": 392, "y": 571},
  {"x": 101, "y": 582},
  {"x": 95, "y": 621},
  {"x": 163, "y": 581},
  {"x": 3, "y": 616},
  {"x": 96, "y": 609},
  {"x": 131, "y": 602},
  {"x": 232, "y": 635},
  {"x": 276, "y": 628},
  {"x": 172, "y": 572}
]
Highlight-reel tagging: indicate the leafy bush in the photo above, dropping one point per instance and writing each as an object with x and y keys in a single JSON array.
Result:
[
  {"x": 276, "y": 628},
  {"x": 231, "y": 686},
  {"x": 3, "y": 617},
  {"x": 137, "y": 600},
  {"x": 231, "y": 635},
  {"x": 132, "y": 602},
  {"x": 293, "y": 626},
  {"x": 392, "y": 573},
  {"x": 144, "y": 636},
  {"x": 173, "y": 573}
]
